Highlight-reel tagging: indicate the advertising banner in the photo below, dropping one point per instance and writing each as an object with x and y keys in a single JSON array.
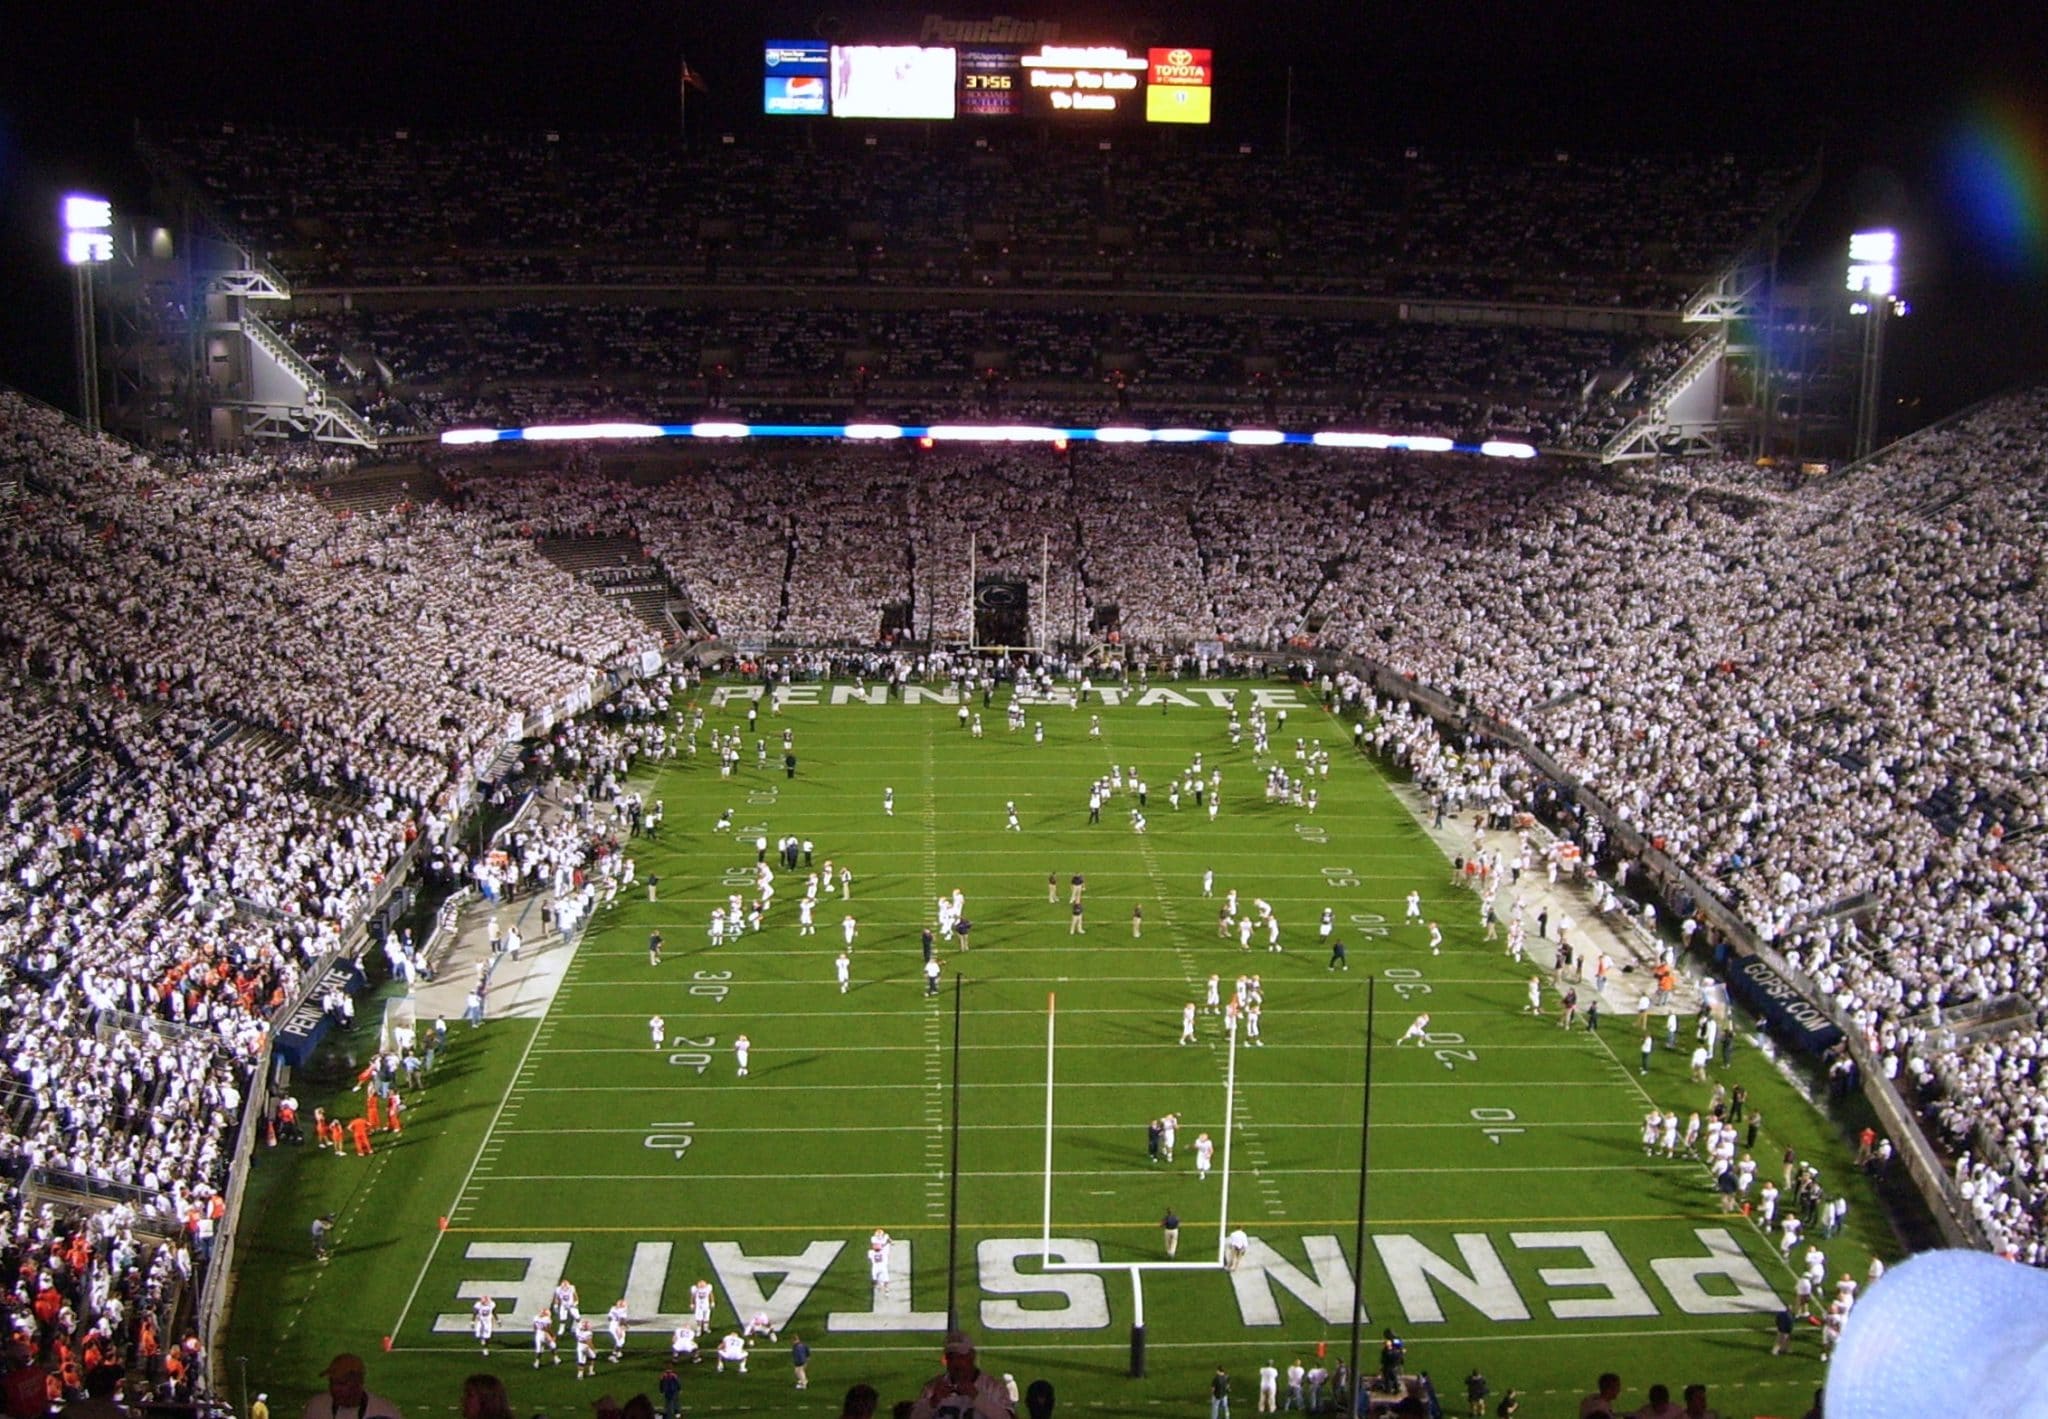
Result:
[{"x": 1788, "y": 1014}]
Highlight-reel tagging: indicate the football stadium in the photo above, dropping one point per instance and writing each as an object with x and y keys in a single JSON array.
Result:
[{"x": 985, "y": 734}]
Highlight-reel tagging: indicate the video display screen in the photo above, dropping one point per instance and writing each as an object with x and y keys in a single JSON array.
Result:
[{"x": 893, "y": 81}]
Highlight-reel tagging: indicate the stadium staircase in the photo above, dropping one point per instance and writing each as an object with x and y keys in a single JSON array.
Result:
[
  {"x": 365, "y": 492},
  {"x": 1646, "y": 435},
  {"x": 618, "y": 569},
  {"x": 319, "y": 414},
  {"x": 1930, "y": 512}
]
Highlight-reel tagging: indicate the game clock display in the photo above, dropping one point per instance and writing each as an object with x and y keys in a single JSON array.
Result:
[{"x": 991, "y": 83}]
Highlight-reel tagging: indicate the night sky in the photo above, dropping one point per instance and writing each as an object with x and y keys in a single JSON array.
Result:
[{"x": 1933, "y": 119}]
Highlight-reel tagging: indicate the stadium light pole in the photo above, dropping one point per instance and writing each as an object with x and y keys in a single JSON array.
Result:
[
  {"x": 1873, "y": 279},
  {"x": 1358, "y": 1237},
  {"x": 88, "y": 245}
]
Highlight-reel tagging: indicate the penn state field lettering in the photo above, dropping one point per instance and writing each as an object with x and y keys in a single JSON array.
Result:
[{"x": 1720, "y": 1280}]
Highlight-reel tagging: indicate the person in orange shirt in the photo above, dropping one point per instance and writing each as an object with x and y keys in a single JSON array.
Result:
[
  {"x": 360, "y": 1129},
  {"x": 397, "y": 1115},
  {"x": 375, "y": 1110}
]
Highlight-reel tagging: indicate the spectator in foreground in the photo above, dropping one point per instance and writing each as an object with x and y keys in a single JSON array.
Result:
[
  {"x": 348, "y": 1395},
  {"x": 1600, "y": 1404},
  {"x": 484, "y": 1397},
  {"x": 964, "y": 1388}
]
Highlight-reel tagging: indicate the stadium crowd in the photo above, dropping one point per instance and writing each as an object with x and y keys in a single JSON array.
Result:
[
  {"x": 424, "y": 209},
  {"x": 1081, "y": 283},
  {"x": 504, "y": 364},
  {"x": 1826, "y": 700},
  {"x": 229, "y": 712}
]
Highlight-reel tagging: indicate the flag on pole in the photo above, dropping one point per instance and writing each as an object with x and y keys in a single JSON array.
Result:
[{"x": 691, "y": 79}]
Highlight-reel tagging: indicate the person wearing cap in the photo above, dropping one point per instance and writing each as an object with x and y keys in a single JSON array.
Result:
[
  {"x": 261, "y": 1408},
  {"x": 963, "y": 1389},
  {"x": 347, "y": 1396}
]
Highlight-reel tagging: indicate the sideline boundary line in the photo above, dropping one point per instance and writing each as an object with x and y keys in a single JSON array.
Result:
[{"x": 490, "y": 1131}]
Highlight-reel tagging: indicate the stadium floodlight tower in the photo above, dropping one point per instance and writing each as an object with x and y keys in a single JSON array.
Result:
[
  {"x": 1873, "y": 281},
  {"x": 88, "y": 245}
]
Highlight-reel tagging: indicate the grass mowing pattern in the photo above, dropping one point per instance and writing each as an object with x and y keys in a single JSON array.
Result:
[{"x": 574, "y": 1132}]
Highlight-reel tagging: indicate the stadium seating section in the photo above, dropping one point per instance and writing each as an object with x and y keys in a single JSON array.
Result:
[{"x": 602, "y": 277}]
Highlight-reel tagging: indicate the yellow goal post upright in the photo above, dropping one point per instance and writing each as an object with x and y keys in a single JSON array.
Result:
[{"x": 1136, "y": 1269}]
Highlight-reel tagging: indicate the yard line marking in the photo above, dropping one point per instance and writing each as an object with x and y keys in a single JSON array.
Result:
[
  {"x": 921, "y": 1343},
  {"x": 842, "y": 1016},
  {"x": 1264, "y": 1174},
  {"x": 815, "y": 1228},
  {"x": 1110, "y": 1046},
  {"x": 1126, "y": 1084},
  {"x": 1035, "y": 1128},
  {"x": 934, "y": 1041},
  {"x": 1059, "y": 945}
]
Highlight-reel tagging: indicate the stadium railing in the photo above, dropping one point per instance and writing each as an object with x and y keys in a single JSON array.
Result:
[{"x": 209, "y": 1310}]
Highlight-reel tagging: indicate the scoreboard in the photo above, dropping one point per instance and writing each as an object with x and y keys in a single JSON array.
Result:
[{"x": 814, "y": 78}]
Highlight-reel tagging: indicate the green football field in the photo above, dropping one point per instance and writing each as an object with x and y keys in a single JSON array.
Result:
[{"x": 1514, "y": 1223}]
